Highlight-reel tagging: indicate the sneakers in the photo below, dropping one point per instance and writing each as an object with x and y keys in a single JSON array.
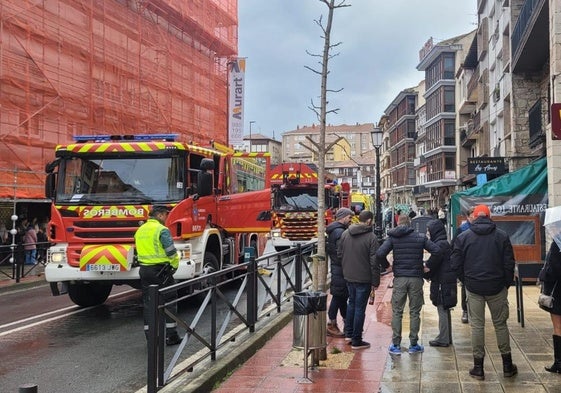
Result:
[
  {"x": 348, "y": 340},
  {"x": 361, "y": 345},
  {"x": 416, "y": 348},
  {"x": 465, "y": 317},
  {"x": 394, "y": 349}
]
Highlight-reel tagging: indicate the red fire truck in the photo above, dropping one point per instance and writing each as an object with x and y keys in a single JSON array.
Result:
[
  {"x": 103, "y": 187},
  {"x": 295, "y": 203}
]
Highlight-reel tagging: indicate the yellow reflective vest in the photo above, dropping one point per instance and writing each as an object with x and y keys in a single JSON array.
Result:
[{"x": 149, "y": 248}]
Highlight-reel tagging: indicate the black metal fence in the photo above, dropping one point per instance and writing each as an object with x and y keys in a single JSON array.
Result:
[
  {"x": 266, "y": 284},
  {"x": 12, "y": 260}
]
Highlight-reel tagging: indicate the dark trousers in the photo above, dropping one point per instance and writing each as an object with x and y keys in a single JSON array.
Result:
[
  {"x": 464, "y": 300},
  {"x": 155, "y": 275},
  {"x": 338, "y": 303}
]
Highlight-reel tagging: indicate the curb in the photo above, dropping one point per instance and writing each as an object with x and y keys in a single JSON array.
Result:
[
  {"x": 228, "y": 358},
  {"x": 11, "y": 285}
]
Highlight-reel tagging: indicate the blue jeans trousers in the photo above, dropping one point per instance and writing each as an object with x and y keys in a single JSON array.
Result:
[{"x": 358, "y": 299}]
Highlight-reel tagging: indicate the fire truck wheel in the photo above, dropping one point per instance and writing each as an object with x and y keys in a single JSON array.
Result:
[
  {"x": 87, "y": 295},
  {"x": 210, "y": 263}
]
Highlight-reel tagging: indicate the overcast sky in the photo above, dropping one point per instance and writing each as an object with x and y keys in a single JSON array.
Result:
[{"x": 377, "y": 57}]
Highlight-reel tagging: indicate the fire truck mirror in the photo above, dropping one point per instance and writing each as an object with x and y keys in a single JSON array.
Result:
[
  {"x": 264, "y": 216},
  {"x": 204, "y": 183},
  {"x": 50, "y": 185}
]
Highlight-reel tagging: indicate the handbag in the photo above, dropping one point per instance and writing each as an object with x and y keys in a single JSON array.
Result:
[{"x": 545, "y": 300}]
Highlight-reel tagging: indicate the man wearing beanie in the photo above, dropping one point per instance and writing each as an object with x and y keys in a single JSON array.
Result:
[
  {"x": 338, "y": 286},
  {"x": 483, "y": 259}
]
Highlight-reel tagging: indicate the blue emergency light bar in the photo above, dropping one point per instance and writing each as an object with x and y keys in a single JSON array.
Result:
[{"x": 113, "y": 138}]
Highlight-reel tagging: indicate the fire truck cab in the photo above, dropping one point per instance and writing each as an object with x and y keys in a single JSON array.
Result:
[
  {"x": 103, "y": 187},
  {"x": 295, "y": 203}
]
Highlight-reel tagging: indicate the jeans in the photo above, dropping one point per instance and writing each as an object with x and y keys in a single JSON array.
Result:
[
  {"x": 30, "y": 257},
  {"x": 338, "y": 303},
  {"x": 403, "y": 288},
  {"x": 498, "y": 306},
  {"x": 358, "y": 299}
]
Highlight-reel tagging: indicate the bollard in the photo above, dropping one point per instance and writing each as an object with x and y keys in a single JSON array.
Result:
[{"x": 28, "y": 388}]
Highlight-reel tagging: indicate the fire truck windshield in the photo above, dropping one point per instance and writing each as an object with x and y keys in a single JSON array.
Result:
[
  {"x": 123, "y": 180},
  {"x": 296, "y": 200}
]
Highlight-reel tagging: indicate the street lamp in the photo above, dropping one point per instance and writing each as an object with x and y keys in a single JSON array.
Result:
[
  {"x": 377, "y": 136},
  {"x": 250, "y": 123}
]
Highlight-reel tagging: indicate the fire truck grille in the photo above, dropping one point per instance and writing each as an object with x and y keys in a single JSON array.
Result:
[
  {"x": 106, "y": 229},
  {"x": 298, "y": 227}
]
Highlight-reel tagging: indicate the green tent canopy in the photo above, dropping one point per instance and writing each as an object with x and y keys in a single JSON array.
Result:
[{"x": 522, "y": 192}]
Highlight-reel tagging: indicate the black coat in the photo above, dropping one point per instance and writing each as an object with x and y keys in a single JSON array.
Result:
[
  {"x": 443, "y": 289},
  {"x": 338, "y": 285},
  {"x": 550, "y": 276},
  {"x": 483, "y": 258}
]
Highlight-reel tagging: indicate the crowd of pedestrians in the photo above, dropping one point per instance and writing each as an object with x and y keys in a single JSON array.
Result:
[
  {"x": 29, "y": 243},
  {"x": 480, "y": 257}
]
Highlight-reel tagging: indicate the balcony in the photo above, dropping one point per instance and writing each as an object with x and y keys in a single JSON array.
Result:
[
  {"x": 468, "y": 136},
  {"x": 530, "y": 37},
  {"x": 537, "y": 116},
  {"x": 473, "y": 85}
]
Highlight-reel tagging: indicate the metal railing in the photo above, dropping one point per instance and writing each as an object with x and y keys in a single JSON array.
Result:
[
  {"x": 12, "y": 260},
  {"x": 267, "y": 283}
]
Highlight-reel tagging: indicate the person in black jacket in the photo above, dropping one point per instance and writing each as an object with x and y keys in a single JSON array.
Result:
[
  {"x": 443, "y": 288},
  {"x": 408, "y": 248},
  {"x": 483, "y": 259},
  {"x": 338, "y": 287},
  {"x": 550, "y": 277},
  {"x": 464, "y": 226}
]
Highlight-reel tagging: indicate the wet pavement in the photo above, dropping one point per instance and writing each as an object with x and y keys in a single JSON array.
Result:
[
  {"x": 273, "y": 368},
  {"x": 278, "y": 367}
]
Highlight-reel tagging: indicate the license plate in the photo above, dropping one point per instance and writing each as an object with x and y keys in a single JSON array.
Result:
[{"x": 104, "y": 268}]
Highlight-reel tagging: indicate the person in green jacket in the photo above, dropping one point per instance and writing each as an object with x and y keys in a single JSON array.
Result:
[{"x": 158, "y": 261}]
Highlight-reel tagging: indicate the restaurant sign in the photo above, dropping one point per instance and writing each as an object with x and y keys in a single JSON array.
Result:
[{"x": 488, "y": 165}]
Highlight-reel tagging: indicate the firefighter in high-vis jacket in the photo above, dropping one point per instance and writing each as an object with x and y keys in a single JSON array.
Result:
[{"x": 158, "y": 261}]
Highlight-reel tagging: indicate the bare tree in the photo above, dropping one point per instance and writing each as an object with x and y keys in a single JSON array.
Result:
[{"x": 319, "y": 147}]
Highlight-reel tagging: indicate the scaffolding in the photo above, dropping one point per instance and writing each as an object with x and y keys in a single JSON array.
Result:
[{"x": 75, "y": 67}]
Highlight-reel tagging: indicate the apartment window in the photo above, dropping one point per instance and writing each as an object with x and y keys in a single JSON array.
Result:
[
  {"x": 449, "y": 133},
  {"x": 448, "y": 65},
  {"x": 449, "y": 99},
  {"x": 411, "y": 105},
  {"x": 449, "y": 163}
]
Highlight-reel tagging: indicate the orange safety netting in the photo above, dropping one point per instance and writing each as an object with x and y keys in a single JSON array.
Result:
[{"x": 79, "y": 67}]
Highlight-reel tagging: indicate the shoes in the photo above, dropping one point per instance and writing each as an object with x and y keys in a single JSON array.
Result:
[
  {"x": 174, "y": 339},
  {"x": 465, "y": 317},
  {"x": 333, "y": 330},
  {"x": 361, "y": 345},
  {"x": 435, "y": 343},
  {"x": 416, "y": 348},
  {"x": 348, "y": 340},
  {"x": 394, "y": 349}
]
